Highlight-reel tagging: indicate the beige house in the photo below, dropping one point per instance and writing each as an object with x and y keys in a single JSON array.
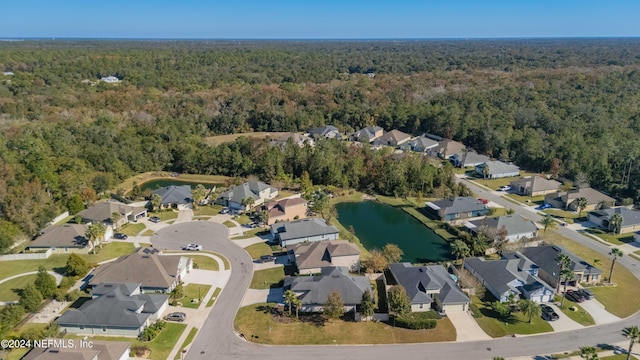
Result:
[
  {"x": 568, "y": 200},
  {"x": 310, "y": 258},
  {"x": 257, "y": 191},
  {"x": 99, "y": 350},
  {"x": 102, "y": 212},
  {"x": 446, "y": 148},
  {"x": 534, "y": 186},
  {"x": 392, "y": 138},
  {"x": 368, "y": 134},
  {"x": 602, "y": 218},
  {"x": 286, "y": 210}
]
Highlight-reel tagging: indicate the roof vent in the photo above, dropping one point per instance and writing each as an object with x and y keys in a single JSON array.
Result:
[{"x": 421, "y": 269}]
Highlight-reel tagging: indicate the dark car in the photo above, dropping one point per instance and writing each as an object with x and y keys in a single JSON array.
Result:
[
  {"x": 586, "y": 294},
  {"x": 574, "y": 296},
  {"x": 548, "y": 313},
  {"x": 154, "y": 219},
  {"x": 176, "y": 316},
  {"x": 543, "y": 206},
  {"x": 120, "y": 236},
  {"x": 267, "y": 258}
]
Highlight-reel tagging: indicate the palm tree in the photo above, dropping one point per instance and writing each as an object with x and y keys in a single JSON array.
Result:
[
  {"x": 588, "y": 353},
  {"x": 95, "y": 233},
  {"x": 460, "y": 250},
  {"x": 581, "y": 203},
  {"x": 633, "y": 334},
  {"x": 248, "y": 202},
  {"x": 156, "y": 202},
  {"x": 485, "y": 170},
  {"x": 297, "y": 303},
  {"x": 565, "y": 273},
  {"x": 115, "y": 217},
  {"x": 616, "y": 222},
  {"x": 290, "y": 298},
  {"x": 616, "y": 253},
  {"x": 547, "y": 222},
  {"x": 530, "y": 308}
]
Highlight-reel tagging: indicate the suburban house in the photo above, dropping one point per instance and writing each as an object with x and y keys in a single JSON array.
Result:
[
  {"x": 534, "y": 186},
  {"x": 497, "y": 169},
  {"x": 516, "y": 227},
  {"x": 63, "y": 238},
  {"x": 630, "y": 219},
  {"x": 368, "y": 134},
  {"x": 281, "y": 140},
  {"x": 119, "y": 309},
  {"x": 568, "y": 200},
  {"x": 549, "y": 270},
  {"x": 458, "y": 208},
  {"x": 429, "y": 287},
  {"x": 146, "y": 267},
  {"x": 287, "y": 209},
  {"x": 175, "y": 196},
  {"x": 513, "y": 276},
  {"x": 313, "y": 291},
  {"x": 256, "y": 190},
  {"x": 99, "y": 350},
  {"x": 310, "y": 258},
  {"x": 446, "y": 148},
  {"x": 102, "y": 212},
  {"x": 420, "y": 144},
  {"x": 110, "y": 79},
  {"x": 392, "y": 138},
  {"x": 327, "y": 131},
  {"x": 469, "y": 159},
  {"x": 304, "y": 230}
]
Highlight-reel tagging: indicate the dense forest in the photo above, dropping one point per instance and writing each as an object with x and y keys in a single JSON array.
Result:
[{"x": 573, "y": 102}]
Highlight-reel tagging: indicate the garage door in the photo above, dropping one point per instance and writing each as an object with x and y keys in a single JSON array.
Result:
[{"x": 456, "y": 307}]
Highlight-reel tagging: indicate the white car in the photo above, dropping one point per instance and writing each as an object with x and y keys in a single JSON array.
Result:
[
  {"x": 225, "y": 210},
  {"x": 192, "y": 247},
  {"x": 505, "y": 188}
]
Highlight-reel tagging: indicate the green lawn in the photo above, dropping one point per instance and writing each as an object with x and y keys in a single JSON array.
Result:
[
  {"x": 204, "y": 263},
  {"x": 251, "y": 233},
  {"x": 580, "y": 315},
  {"x": 194, "y": 291},
  {"x": 259, "y": 249},
  {"x": 226, "y": 263},
  {"x": 517, "y": 323},
  {"x": 242, "y": 219},
  {"x": 562, "y": 215},
  {"x": 109, "y": 251},
  {"x": 160, "y": 347},
  {"x": 147, "y": 232},
  {"x": 531, "y": 200},
  {"x": 494, "y": 184},
  {"x": 9, "y": 290},
  {"x": 216, "y": 292},
  {"x": 618, "y": 357},
  {"x": 131, "y": 229},
  {"x": 256, "y": 323},
  {"x": 265, "y": 279},
  {"x": 187, "y": 341},
  {"x": 615, "y": 239},
  {"x": 229, "y": 224},
  {"x": 207, "y": 210},
  {"x": 164, "y": 215}
]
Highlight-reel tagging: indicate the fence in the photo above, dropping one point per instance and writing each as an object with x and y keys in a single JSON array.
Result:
[
  {"x": 59, "y": 218},
  {"x": 31, "y": 256}
]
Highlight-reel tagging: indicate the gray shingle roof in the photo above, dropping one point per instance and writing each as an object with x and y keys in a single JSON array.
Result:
[
  {"x": 396, "y": 136},
  {"x": 249, "y": 189},
  {"x": 514, "y": 224},
  {"x": 368, "y": 133},
  {"x": 175, "y": 194},
  {"x": 316, "y": 289},
  {"x": 592, "y": 195},
  {"x": 101, "y": 212},
  {"x": 498, "y": 167},
  {"x": 472, "y": 158},
  {"x": 104, "y": 350},
  {"x": 418, "y": 280},
  {"x": 536, "y": 183},
  {"x": 424, "y": 142},
  {"x": 545, "y": 258},
  {"x": 302, "y": 228},
  {"x": 629, "y": 217},
  {"x": 320, "y": 253},
  {"x": 325, "y": 131},
  {"x": 65, "y": 235},
  {"x": 457, "y": 205}
]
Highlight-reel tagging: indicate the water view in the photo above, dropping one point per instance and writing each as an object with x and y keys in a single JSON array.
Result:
[{"x": 377, "y": 224}]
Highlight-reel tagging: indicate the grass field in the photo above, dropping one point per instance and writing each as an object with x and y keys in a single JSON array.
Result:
[
  {"x": 257, "y": 250},
  {"x": 242, "y": 219},
  {"x": 164, "y": 215},
  {"x": 221, "y": 139},
  {"x": 131, "y": 229},
  {"x": 204, "y": 263},
  {"x": 562, "y": 215},
  {"x": 615, "y": 239},
  {"x": 265, "y": 279},
  {"x": 229, "y": 224},
  {"x": 147, "y": 232},
  {"x": 216, "y": 292},
  {"x": 517, "y": 323},
  {"x": 109, "y": 251},
  {"x": 256, "y": 324},
  {"x": 251, "y": 233},
  {"x": 207, "y": 210},
  {"x": 194, "y": 291},
  {"x": 187, "y": 341},
  {"x": 580, "y": 315},
  {"x": 614, "y": 298},
  {"x": 9, "y": 290},
  {"x": 153, "y": 175}
]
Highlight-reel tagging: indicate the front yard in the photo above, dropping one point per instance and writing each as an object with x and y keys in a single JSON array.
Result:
[
  {"x": 268, "y": 278},
  {"x": 258, "y": 325},
  {"x": 204, "y": 263},
  {"x": 259, "y": 249},
  {"x": 131, "y": 229},
  {"x": 530, "y": 200},
  {"x": 517, "y": 323},
  {"x": 569, "y": 217},
  {"x": 579, "y": 315},
  {"x": 164, "y": 215},
  {"x": 194, "y": 292},
  {"x": 615, "y": 239},
  {"x": 207, "y": 210}
]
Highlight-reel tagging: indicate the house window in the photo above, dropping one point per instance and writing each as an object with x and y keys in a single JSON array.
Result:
[
  {"x": 421, "y": 306},
  {"x": 104, "y": 329}
]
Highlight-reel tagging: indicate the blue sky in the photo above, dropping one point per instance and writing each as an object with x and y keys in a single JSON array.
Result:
[{"x": 306, "y": 19}]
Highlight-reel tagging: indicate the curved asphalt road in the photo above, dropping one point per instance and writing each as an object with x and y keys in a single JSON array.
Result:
[{"x": 217, "y": 338}]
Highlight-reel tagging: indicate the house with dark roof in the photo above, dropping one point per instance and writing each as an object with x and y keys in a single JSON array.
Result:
[
  {"x": 468, "y": 159},
  {"x": 602, "y": 218},
  {"x": 256, "y": 190},
  {"x": 429, "y": 287},
  {"x": 420, "y": 144},
  {"x": 569, "y": 200},
  {"x": 286, "y": 210},
  {"x": 102, "y": 212},
  {"x": 549, "y": 269},
  {"x": 123, "y": 310},
  {"x": 63, "y": 238},
  {"x": 147, "y": 267},
  {"x": 458, "y": 208},
  {"x": 446, "y": 148},
  {"x": 327, "y": 131},
  {"x": 534, "y": 186},
  {"x": 515, "y": 226},
  {"x": 310, "y": 258},
  {"x": 368, "y": 134},
  {"x": 305, "y": 230},
  {"x": 99, "y": 350},
  {"x": 497, "y": 169},
  {"x": 392, "y": 138},
  {"x": 175, "y": 196},
  {"x": 514, "y": 275},
  {"x": 313, "y": 291}
]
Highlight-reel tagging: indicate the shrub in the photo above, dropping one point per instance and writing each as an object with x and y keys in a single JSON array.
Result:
[
  {"x": 30, "y": 298},
  {"x": 67, "y": 282},
  {"x": 139, "y": 350},
  {"x": 475, "y": 311},
  {"x": 152, "y": 331},
  {"x": 76, "y": 266},
  {"x": 417, "y": 321},
  {"x": 73, "y": 295}
]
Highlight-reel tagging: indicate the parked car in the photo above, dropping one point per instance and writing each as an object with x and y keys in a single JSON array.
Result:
[
  {"x": 267, "y": 258},
  {"x": 484, "y": 201},
  {"x": 154, "y": 219},
  {"x": 505, "y": 188},
  {"x": 120, "y": 236},
  {"x": 176, "y": 316},
  {"x": 225, "y": 210},
  {"x": 192, "y": 247},
  {"x": 543, "y": 206},
  {"x": 574, "y": 296},
  {"x": 586, "y": 294},
  {"x": 548, "y": 313}
]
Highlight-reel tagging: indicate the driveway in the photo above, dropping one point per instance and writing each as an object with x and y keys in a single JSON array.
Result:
[
  {"x": 564, "y": 323},
  {"x": 257, "y": 296},
  {"x": 598, "y": 313},
  {"x": 184, "y": 216},
  {"x": 467, "y": 328}
]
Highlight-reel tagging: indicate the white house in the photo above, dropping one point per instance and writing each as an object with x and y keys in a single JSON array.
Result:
[{"x": 258, "y": 191}]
